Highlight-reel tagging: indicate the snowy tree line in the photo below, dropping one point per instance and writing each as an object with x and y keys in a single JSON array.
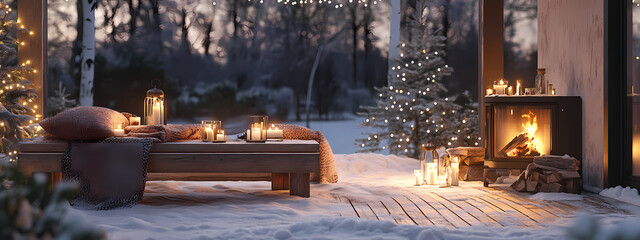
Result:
[
  {"x": 245, "y": 56},
  {"x": 261, "y": 54}
]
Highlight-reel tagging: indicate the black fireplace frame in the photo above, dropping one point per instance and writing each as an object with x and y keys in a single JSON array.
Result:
[{"x": 566, "y": 128}]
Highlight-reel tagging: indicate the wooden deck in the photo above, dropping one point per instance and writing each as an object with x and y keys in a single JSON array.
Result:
[{"x": 474, "y": 205}]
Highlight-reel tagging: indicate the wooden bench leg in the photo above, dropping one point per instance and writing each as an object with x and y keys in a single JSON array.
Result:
[
  {"x": 300, "y": 185},
  {"x": 279, "y": 181},
  {"x": 485, "y": 182}
]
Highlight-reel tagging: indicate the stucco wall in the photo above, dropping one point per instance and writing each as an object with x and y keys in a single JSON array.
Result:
[{"x": 571, "y": 48}]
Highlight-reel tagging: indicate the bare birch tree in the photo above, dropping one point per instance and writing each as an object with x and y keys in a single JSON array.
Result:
[{"x": 88, "y": 52}]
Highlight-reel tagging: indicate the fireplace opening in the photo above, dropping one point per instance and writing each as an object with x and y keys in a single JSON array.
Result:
[{"x": 522, "y": 131}]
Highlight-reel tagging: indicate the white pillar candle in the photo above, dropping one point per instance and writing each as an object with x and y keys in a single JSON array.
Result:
[
  {"x": 431, "y": 173},
  {"x": 255, "y": 134},
  {"x": 418, "y": 176},
  {"x": 274, "y": 133},
  {"x": 220, "y": 136},
  {"x": 118, "y": 132},
  {"x": 134, "y": 121},
  {"x": 518, "y": 88},
  {"x": 455, "y": 169},
  {"x": 209, "y": 132},
  {"x": 442, "y": 181},
  {"x": 156, "y": 114}
]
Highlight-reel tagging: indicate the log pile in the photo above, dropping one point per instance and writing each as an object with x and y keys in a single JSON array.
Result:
[
  {"x": 471, "y": 162},
  {"x": 550, "y": 174}
]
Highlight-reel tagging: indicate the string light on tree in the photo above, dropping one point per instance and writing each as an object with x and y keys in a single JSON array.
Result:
[
  {"x": 417, "y": 104},
  {"x": 18, "y": 109}
]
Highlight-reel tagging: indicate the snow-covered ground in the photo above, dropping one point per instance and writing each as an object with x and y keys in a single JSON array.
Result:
[
  {"x": 340, "y": 134},
  {"x": 249, "y": 210}
]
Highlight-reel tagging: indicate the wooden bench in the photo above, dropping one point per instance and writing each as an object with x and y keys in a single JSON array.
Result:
[{"x": 286, "y": 164}]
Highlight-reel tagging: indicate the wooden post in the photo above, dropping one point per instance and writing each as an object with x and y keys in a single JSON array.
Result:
[
  {"x": 491, "y": 47},
  {"x": 32, "y": 14},
  {"x": 300, "y": 185},
  {"x": 279, "y": 181}
]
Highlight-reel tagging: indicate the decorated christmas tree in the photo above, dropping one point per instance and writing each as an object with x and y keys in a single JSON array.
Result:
[
  {"x": 17, "y": 97},
  {"x": 415, "y": 108}
]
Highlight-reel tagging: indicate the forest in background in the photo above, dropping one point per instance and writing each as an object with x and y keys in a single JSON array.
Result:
[{"x": 229, "y": 58}]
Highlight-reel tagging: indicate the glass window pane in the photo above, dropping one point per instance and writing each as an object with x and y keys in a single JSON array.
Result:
[{"x": 633, "y": 76}]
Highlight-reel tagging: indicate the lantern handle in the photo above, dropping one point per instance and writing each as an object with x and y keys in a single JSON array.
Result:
[{"x": 156, "y": 83}]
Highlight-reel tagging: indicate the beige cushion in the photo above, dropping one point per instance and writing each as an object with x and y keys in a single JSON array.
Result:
[{"x": 84, "y": 123}]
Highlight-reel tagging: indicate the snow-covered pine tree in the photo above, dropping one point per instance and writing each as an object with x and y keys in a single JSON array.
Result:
[
  {"x": 60, "y": 101},
  {"x": 17, "y": 97},
  {"x": 415, "y": 109}
]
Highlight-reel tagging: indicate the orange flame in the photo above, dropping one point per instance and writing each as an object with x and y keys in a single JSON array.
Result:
[{"x": 530, "y": 126}]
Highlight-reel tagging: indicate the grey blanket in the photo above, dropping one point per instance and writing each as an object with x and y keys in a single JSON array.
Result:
[{"x": 111, "y": 173}]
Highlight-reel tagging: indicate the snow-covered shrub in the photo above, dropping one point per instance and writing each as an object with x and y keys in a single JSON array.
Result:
[{"x": 29, "y": 209}]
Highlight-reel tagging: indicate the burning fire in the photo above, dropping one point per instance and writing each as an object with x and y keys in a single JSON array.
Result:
[{"x": 528, "y": 146}]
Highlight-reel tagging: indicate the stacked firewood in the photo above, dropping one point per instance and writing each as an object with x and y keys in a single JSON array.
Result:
[
  {"x": 471, "y": 161},
  {"x": 550, "y": 174},
  {"x": 520, "y": 145}
]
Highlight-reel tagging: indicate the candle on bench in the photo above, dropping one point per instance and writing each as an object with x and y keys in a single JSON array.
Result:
[
  {"x": 118, "y": 132},
  {"x": 274, "y": 132},
  {"x": 220, "y": 136}
]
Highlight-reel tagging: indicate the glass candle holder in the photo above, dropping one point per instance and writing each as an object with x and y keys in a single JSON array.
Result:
[
  {"x": 274, "y": 133},
  {"x": 257, "y": 129},
  {"x": 212, "y": 131}
]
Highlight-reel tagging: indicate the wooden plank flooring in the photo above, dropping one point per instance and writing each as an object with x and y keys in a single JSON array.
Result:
[{"x": 472, "y": 205}]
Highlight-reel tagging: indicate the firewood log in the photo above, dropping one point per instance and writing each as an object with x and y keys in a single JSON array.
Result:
[
  {"x": 569, "y": 174},
  {"x": 473, "y": 160},
  {"x": 554, "y": 177},
  {"x": 516, "y": 142},
  {"x": 520, "y": 184},
  {"x": 531, "y": 186},
  {"x": 558, "y": 162}
]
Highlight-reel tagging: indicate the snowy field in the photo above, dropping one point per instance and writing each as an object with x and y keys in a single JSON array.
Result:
[
  {"x": 249, "y": 210},
  {"x": 340, "y": 134}
]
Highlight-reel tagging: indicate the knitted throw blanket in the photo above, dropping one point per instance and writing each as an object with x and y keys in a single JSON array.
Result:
[
  {"x": 111, "y": 173},
  {"x": 328, "y": 173}
]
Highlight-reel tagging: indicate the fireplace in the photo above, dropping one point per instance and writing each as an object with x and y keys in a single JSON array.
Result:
[{"x": 518, "y": 128}]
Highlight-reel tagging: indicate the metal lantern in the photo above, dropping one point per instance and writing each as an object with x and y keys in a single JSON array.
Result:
[
  {"x": 257, "y": 129},
  {"x": 154, "y": 106},
  {"x": 430, "y": 149}
]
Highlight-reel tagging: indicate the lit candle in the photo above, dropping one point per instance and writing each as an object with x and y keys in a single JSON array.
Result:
[
  {"x": 500, "y": 87},
  {"x": 274, "y": 132},
  {"x": 209, "y": 132},
  {"x": 553, "y": 91},
  {"x": 518, "y": 88},
  {"x": 134, "y": 121},
  {"x": 442, "y": 181},
  {"x": 489, "y": 91},
  {"x": 220, "y": 136},
  {"x": 510, "y": 91},
  {"x": 118, "y": 132},
  {"x": 418, "y": 175},
  {"x": 431, "y": 173},
  {"x": 256, "y": 133},
  {"x": 455, "y": 169},
  {"x": 156, "y": 114}
]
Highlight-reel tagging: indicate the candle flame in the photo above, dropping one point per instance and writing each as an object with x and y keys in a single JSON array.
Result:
[
  {"x": 501, "y": 82},
  {"x": 119, "y": 126}
]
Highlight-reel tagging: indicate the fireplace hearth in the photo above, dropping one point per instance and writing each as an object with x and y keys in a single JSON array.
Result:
[{"x": 519, "y": 128}]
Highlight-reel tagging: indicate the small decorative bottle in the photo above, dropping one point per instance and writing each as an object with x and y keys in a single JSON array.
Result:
[{"x": 541, "y": 82}]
